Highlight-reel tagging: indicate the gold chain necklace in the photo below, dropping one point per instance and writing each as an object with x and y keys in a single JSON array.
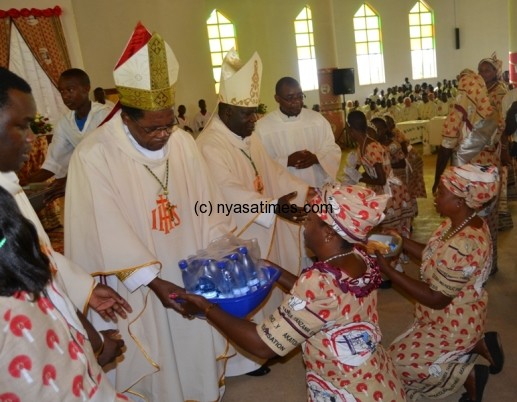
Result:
[
  {"x": 251, "y": 160},
  {"x": 165, "y": 187}
]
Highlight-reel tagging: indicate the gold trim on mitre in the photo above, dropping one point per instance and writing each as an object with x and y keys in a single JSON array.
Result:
[
  {"x": 240, "y": 86},
  {"x": 146, "y": 80},
  {"x": 159, "y": 99}
]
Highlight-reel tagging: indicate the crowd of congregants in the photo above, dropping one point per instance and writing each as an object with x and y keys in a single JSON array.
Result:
[{"x": 133, "y": 176}]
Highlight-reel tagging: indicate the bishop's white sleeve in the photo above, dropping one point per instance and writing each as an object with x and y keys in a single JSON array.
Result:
[
  {"x": 266, "y": 219},
  {"x": 141, "y": 277}
]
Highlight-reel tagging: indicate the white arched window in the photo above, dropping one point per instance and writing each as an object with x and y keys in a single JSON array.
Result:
[
  {"x": 306, "y": 51},
  {"x": 368, "y": 46},
  {"x": 221, "y": 39},
  {"x": 421, "y": 35}
]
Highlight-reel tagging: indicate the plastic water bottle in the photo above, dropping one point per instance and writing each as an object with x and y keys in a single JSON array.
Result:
[
  {"x": 225, "y": 286},
  {"x": 255, "y": 276},
  {"x": 210, "y": 277},
  {"x": 240, "y": 285},
  {"x": 188, "y": 275}
]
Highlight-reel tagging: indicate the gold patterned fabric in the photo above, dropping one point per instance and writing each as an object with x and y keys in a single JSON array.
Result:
[
  {"x": 146, "y": 73},
  {"x": 5, "y": 39}
]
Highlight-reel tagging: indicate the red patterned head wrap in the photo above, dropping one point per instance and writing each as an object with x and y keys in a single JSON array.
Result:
[
  {"x": 352, "y": 211},
  {"x": 477, "y": 184}
]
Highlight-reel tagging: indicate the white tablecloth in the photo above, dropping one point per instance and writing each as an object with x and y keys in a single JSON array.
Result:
[{"x": 414, "y": 130}]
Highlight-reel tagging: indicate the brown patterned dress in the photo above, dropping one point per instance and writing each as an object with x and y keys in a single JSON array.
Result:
[{"x": 433, "y": 356}]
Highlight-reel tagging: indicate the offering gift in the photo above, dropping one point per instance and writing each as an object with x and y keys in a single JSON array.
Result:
[
  {"x": 387, "y": 244},
  {"x": 229, "y": 273}
]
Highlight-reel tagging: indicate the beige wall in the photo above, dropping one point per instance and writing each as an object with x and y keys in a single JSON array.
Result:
[{"x": 97, "y": 31}]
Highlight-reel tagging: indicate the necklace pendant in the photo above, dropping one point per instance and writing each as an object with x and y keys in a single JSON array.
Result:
[
  {"x": 172, "y": 212},
  {"x": 165, "y": 192},
  {"x": 258, "y": 184}
]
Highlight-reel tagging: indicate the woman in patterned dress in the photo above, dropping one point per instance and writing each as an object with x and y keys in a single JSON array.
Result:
[
  {"x": 331, "y": 311},
  {"x": 378, "y": 175},
  {"x": 414, "y": 162},
  {"x": 496, "y": 153},
  {"x": 45, "y": 349},
  {"x": 439, "y": 352},
  {"x": 395, "y": 152},
  {"x": 472, "y": 108}
]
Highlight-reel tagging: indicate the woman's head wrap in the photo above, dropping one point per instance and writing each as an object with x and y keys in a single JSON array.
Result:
[
  {"x": 495, "y": 62},
  {"x": 477, "y": 184},
  {"x": 352, "y": 211}
]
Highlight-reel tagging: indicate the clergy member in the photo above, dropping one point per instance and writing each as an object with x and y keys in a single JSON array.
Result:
[
  {"x": 134, "y": 186},
  {"x": 299, "y": 139},
  {"x": 249, "y": 178}
]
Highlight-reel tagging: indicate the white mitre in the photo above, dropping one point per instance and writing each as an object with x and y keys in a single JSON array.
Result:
[
  {"x": 146, "y": 73},
  {"x": 240, "y": 84}
]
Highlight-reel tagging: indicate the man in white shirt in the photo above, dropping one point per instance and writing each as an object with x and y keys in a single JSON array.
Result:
[
  {"x": 183, "y": 120},
  {"x": 201, "y": 118},
  {"x": 299, "y": 139},
  {"x": 83, "y": 117},
  {"x": 99, "y": 96}
]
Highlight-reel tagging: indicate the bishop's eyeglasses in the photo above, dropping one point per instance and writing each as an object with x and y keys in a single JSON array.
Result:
[{"x": 152, "y": 131}]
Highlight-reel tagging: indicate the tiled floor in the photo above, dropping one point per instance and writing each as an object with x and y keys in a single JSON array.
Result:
[{"x": 286, "y": 382}]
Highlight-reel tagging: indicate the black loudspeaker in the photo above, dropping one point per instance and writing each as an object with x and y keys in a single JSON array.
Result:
[
  {"x": 457, "y": 37},
  {"x": 343, "y": 81}
]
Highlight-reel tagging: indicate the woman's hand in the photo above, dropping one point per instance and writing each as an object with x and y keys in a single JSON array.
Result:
[
  {"x": 162, "y": 289},
  {"x": 384, "y": 263},
  {"x": 286, "y": 279},
  {"x": 189, "y": 304},
  {"x": 111, "y": 348}
]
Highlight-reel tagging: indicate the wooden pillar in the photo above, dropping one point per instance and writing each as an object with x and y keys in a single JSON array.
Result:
[{"x": 330, "y": 105}]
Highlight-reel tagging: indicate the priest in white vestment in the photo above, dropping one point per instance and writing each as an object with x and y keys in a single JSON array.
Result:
[
  {"x": 299, "y": 139},
  {"x": 250, "y": 179},
  {"x": 137, "y": 187}
]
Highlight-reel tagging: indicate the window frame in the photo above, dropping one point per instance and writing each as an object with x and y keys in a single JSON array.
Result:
[
  {"x": 306, "y": 50},
  {"x": 219, "y": 44},
  {"x": 369, "y": 49},
  {"x": 422, "y": 47}
]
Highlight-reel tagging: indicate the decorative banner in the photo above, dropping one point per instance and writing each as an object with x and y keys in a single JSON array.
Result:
[{"x": 34, "y": 12}]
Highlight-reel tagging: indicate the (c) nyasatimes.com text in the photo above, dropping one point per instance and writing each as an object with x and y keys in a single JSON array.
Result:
[{"x": 257, "y": 208}]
